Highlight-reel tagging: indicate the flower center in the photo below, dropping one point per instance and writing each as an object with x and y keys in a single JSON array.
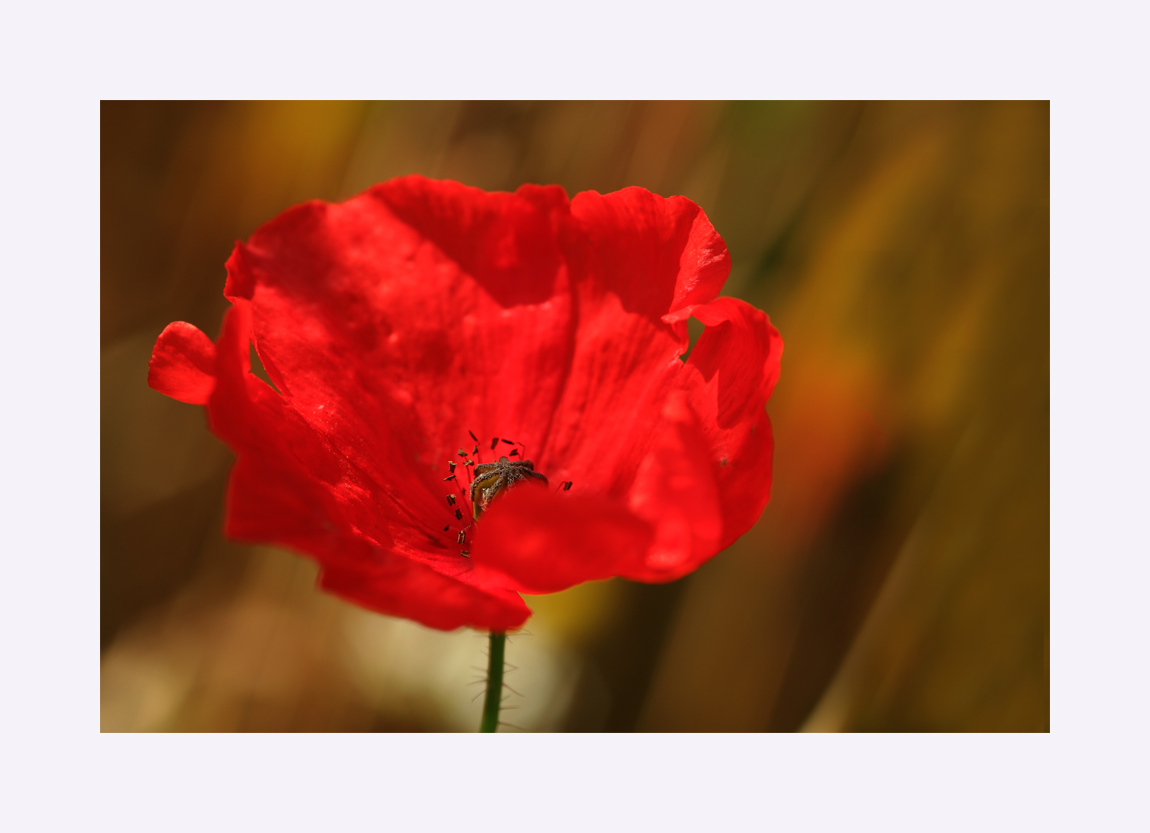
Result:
[
  {"x": 488, "y": 481},
  {"x": 491, "y": 479}
]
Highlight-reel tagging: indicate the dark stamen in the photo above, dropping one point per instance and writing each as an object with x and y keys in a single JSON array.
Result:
[
  {"x": 462, "y": 453},
  {"x": 451, "y": 500},
  {"x": 567, "y": 484},
  {"x": 469, "y": 462},
  {"x": 475, "y": 451},
  {"x": 447, "y": 528},
  {"x": 514, "y": 453},
  {"x": 458, "y": 515},
  {"x": 465, "y": 553},
  {"x": 473, "y": 436},
  {"x": 510, "y": 442},
  {"x": 461, "y": 537},
  {"x": 450, "y": 477},
  {"x": 451, "y": 466},
  {"x": 494, "y": 442}
]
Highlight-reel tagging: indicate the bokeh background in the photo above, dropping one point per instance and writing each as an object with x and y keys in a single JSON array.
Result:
[{"x": 899, "y": 578}]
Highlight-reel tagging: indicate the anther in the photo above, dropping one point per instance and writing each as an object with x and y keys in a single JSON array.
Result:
[
  {"x": 514, "y": 453},
  {"x": 465, "y": 553},
  {"x": 509, "y": 442},
  {"x": 451, "y": 466},
  {"x": 447, "y": 528},
  {"x": 494, "y": 442},
  {"x": 475, "y": 450},
  {"x": 461, "y": 537},
  {"x": 567, "y": 484},
  {"x": 451, "y": 500},
  {"x": 449, "y": 477},
  {"x": 469, "y": 462},
  {"x": 473, "y": 436},
  {"x": 458, "y": 515},
  {"x": 462, "y": 453}
]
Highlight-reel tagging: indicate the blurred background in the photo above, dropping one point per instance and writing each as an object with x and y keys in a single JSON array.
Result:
[{"x": 899, "y": 578}]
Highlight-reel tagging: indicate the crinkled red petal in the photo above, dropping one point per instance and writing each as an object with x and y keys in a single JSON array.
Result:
[
  {"x": 633, "y": 257},
  {"x": 728, "y": 378},
  {"x": 290, "y": 487},
  {"x": 393, "y": 348}
]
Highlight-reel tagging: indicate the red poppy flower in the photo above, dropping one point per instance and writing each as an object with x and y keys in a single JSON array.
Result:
[{"x": 399, "y": 324}]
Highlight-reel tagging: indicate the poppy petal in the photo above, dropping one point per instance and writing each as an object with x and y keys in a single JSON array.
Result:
[
  {"x": 382, "y": 322},
  {"x": 729, "y": 376},
  {"x": 539, "y": 541},
  {"x": 290, "y": 487},
  {"x": 675, "y": 491},
  {"x": 656, "y": 254},
  {"x": 401, "y": 587},
  {"x": 183, "y": 364},
  {"x": 633, "y": 258}
]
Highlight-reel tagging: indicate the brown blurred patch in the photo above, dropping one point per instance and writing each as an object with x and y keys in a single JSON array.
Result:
[{"x": 915, "y": 315}]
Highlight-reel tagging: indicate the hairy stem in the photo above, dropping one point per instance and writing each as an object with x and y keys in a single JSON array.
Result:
[{"x": 494, "y": 696}]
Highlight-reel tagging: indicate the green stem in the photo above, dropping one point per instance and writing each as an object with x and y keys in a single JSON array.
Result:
[{"x": 494, "y": 696}]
